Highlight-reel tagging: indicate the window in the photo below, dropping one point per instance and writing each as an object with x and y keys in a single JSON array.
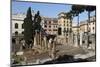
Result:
[
  {"x": 45, "y": 29},
  {"x": 56, "y": 26},
  {"x": 64, "y": 21},
  {"x": 89, "y": 30},
  {"x": 49, "y": 26},
  {"x": 16, "y": 25},
  {"x": 49, "y": 22},
  {"x": 93, "y": 28},
  {"x": 54, "y": 29},
  {"x": 67, "y": 28},
  {"x": 59, "y": 31},
  {"x": 83, "y": 42},
  {"x": 16, "y": 33},
  {"x": 45, "y": 22},
  {"x": 66, "y": 34},
  {"x": 22, "y": 32},
  {"x": 22, "y": 26},
  {"x": 13, "y": 40},
  {"x": 93, "y": 22},
  {"x": 49, "y": 29},
  {"x": 90, "y": 42},
  {"x": 45, "y": 26},
  {"x": 64, "y": 28},
  {"x": 70, "y": 29},
  {"x": 67, "y": 24}
]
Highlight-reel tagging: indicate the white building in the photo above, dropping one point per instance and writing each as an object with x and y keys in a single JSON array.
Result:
[
  {"x": 48, "y": 24},
  {"x": 17, "y": 23}
]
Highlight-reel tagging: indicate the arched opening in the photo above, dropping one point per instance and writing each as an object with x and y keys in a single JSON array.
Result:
[
  {"x": 59, "y": 31},
  {"x": 16, "y": 25},
  {"x": 16, "y": 33},
  {"x": 13, "y": 40}
]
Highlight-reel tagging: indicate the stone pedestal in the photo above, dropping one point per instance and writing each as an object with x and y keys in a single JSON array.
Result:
[
  {"x": 42, "y": 44},
  {"x": 71, "y": 39},
  {"x": 45, "y": 42}
]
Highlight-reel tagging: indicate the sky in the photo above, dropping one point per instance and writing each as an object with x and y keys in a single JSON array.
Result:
[{"x": 46, "y": 9}]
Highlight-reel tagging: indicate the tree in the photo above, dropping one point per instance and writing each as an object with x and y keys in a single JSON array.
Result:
[
  {"x": 89, "y": 9},
  {"x": 28, "y": 27},
  {"x": 37, "y": 21},
  {"x": 77, "y": 9},
  {"x": 37, "y": 29}
]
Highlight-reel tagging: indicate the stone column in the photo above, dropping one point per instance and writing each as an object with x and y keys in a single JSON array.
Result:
[
  {"x": 70, "y": 39},
  {"x": 42, "y": 44},
  {"x": 50, "y": 46},
  {"x": 76, "y": 41},
  {"x": 93, "y": 44},
  {"x": 17, "y": 45},
  {"x": 22, "y": 45},
  {"x": 86, "y": 41},
  {"x": 40, "y": 40},
  {"x": 81, "y": 33},
  {"x": 17, "y": 40},
  {"x": 36, "y": 35},
  {"x": 35, "y": 41},
  {"x": 53, "y": 54},
  {"x": 45, "y": 43}
]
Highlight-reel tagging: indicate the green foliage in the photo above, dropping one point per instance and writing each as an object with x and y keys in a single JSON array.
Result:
[
  {"x": 90, "y": 8},
  {"x": 28, "y": 27},
  {"x": 77, "y": 9},
  {"x": 69, "y": 15},
  {"x": 37, "y": 21}
]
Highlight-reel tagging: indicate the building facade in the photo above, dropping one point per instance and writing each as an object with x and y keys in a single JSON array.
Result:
[
  {"x": 50, "y": 25},
  {"x": 91, "y": 26},
  {"x": 17, "y": 24},
  {"x": 88, "y": 33},
  {"x": 64, "y": 24}
]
